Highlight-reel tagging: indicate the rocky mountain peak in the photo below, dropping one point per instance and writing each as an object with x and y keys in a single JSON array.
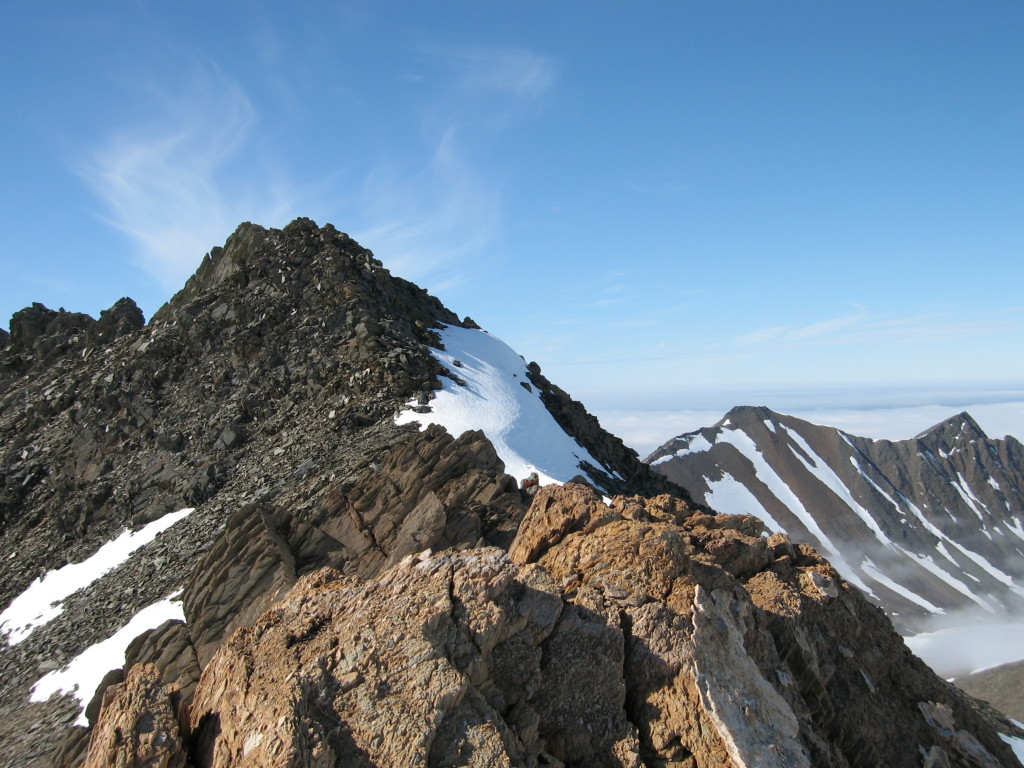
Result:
[
  {"x": 956, "y": 431},
  {"x": 927, "y": 526},
  {"x": 742, "y": 415},
  {"x": 307, "y": 267}
]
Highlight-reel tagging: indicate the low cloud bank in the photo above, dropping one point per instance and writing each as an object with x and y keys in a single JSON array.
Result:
[
  {"x": 961, "y": 650},
  {"x": 644, "y": 429}
]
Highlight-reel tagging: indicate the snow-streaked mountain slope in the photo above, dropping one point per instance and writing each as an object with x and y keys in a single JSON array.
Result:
[
  {"x": 927, "y": 526},
  {"x": 490, "y": 390}
]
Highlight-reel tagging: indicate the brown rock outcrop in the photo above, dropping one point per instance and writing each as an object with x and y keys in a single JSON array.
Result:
[
  {"x": 138, "y": 725},
  {"x": 428, "y": 491},
  {"x": 395, "y": 671},
  {"x": 636, "y": 634}
]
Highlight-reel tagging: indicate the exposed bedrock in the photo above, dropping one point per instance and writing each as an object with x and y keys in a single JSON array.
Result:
[{"x": 640, "y": 633}]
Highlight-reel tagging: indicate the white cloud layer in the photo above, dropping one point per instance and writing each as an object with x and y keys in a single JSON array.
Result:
[
  {"x": 646, "y": 429},
  {"x": 969, "y": 648}
]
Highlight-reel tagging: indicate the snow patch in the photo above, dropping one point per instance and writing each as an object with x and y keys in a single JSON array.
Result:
[
  {"x": 731, "y": 496},
  {"x": 41, "y": 601},
  {"x": 698, "y": 444},
  {"x": 1016, "y": 743},
  {"x": 524, "y": 433},
  {"x": 932, "y": 567},
  {"x": 1014, "y": 526},
  {"x": 873, "y": 572},
  {"x": 969, "y": 498},
  {"x": 83, "y": 674},
  {"x": 827, "y": 476}
]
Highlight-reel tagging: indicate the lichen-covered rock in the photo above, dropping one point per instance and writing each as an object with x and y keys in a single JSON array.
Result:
[
  {"x": 626, "y": 636},
  {"x": 395, "y": 671},
  {"x": 138, "y": 725},
  {"x": 555, "y": 512}
]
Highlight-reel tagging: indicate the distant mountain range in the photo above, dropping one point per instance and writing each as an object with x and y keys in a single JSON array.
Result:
[{"x": 926, "y": 526}]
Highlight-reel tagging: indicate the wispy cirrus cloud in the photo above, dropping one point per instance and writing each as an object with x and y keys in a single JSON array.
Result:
[
  {"x": 791, "y": 333},
  {"x": 510, "y": 71},
  {"x": 423, "y": 223},
  {"x": 433, "y": 218},
  {"x": 173, "y": 183},
  {"x": 204, "y": 159},
  {"x": 827, "y": 327},
  {"x": 762, "y": 335},
  {"x": 864, "y": 326}
]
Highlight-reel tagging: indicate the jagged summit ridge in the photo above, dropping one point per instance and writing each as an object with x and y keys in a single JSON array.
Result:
[
  {"x": 263, "y": 395},
  {"x": 40, "y": 335},
  {"x": 958, "y": 429}
]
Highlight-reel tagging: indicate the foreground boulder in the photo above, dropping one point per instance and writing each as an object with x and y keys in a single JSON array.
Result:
[
  {"x": 138, "y": 727},
  {"x": 636, "y": 634}
]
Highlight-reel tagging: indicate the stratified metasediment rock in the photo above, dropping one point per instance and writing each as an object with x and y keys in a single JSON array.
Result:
[{"x": 637, "y": 634}]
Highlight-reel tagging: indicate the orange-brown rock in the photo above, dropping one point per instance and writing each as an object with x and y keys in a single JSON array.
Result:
[
  {"x": 432, "y": 663},
  {"x": 138, "y": 725},
  {"x": 620, "y": 635},
  {"x": 556, "y": 512}
]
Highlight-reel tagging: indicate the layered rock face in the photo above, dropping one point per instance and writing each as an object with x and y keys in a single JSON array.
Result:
[
  {"x": 926, "y": 526},
  {"x": 640, "y": 633},
  {"x": 263, "y": 396}
]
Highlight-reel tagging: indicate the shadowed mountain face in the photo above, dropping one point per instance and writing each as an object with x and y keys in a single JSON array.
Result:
[
  {"x": 927, "y": 526},
  {"x": 348, "y": 590}
]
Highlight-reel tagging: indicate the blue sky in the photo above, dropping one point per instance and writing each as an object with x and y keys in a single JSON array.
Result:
[{"x": 662, "y": 204}]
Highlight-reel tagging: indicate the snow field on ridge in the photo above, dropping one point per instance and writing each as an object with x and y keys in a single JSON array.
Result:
[
  {"x": 697, "y": 444},
  {"x": 83, "y": 674},
  {"x": 730, "y": 494},
  {"x": 1016, "y": 743},
  {"x": 41, "y": 601},
  {"x": 525, "y": 435}
]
